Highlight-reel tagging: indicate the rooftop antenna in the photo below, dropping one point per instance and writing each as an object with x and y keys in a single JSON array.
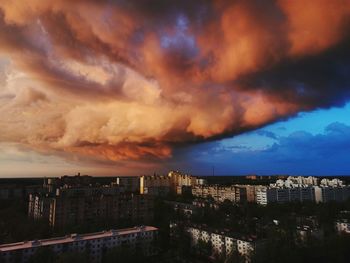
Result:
[{"x": 213, "y": 170}]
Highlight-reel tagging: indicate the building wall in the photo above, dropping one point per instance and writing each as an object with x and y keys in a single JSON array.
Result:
[
  {"x": 223, "y": 244},
  {"x": 220, "y": 193},
  {"x": 138, "y": 239},
  {"x": 89, "y": 207}
]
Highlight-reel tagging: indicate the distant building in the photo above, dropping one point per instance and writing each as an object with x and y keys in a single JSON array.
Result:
[
  {"x": 251, "y": 192},
  {"x": 175, "y": 182},
  {"x": 51, "y": 184},
  {"x": 128, "y": 183},
  {"x": 158, "y": 185},
  {"x": 220, "y": 193},
  {"x": 261, "y": 195},
  {"x": 13, "y": 191},
  {"x": 224, "y": 242},
  {"x": 10, "y": 192},
  {"x": 139, "y": 239},
  {"x": 301, "y": 189},
  {"x": 334, "y": 193}
]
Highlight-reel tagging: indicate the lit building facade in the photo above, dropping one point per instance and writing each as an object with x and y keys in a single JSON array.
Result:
[{"x": 225, "y": 243}]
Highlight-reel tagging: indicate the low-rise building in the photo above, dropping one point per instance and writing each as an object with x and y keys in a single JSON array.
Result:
[
  {"x": 225, "y": 242},
  {"x": 139, "y": 239}
]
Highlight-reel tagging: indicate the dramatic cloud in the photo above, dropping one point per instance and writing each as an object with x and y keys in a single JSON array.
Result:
[{"x": 128, "y": 80}]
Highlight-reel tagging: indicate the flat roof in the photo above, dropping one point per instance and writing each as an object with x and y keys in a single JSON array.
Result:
[{"x": 74, "y": 237}]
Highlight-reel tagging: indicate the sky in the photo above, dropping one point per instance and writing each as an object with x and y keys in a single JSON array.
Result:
[{"x": 115, "y": 87}]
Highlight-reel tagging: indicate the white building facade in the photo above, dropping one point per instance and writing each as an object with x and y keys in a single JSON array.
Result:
[{"x": 224, "y": 243}]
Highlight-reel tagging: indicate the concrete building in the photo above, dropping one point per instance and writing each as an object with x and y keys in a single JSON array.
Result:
[
  {"x": 174, "y": 182},
  {"x": 338, "y": 194},
  {"x": 307, "y": 189},
  {"x": 261, "y": 195},
  {"x": 128, "y": 183},
  {"x": 225, "y": 242},
  {"x": 158, "y": 185},
  {"x": 332, "y": 182},
  {"x": 270, "y": 194},
  {"x": 250, "y": 192},
  {"x": 13, "y": 191},
  {"x": 76, "y": 181},
  {"x": 139, "y": 239},
  {"x": 91, "y": 205},
  {"x": 220, "y": 193},
  {"x": 296, "y": 181},
  {"x": 39, "y": 206}
]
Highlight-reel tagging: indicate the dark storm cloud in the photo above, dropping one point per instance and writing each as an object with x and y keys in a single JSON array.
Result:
[{"x": 133, "y": 79}]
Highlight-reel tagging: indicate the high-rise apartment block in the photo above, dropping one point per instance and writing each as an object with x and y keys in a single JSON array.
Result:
[
  {"x": 71, "y": 206},
  {"x": 232, "y": 193},
  {"x": 174, "y": 182}
]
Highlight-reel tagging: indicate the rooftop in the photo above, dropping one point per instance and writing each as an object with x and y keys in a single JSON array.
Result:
[{"x": 74, "y": 237}]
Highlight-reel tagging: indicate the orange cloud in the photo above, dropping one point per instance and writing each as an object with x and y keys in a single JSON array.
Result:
[{"x": 119, "y": 81}]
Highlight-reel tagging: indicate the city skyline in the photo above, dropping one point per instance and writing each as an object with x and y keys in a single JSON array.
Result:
[{"x": 136, "y": 87}]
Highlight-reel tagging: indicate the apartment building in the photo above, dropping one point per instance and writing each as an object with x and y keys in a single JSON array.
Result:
[
  {"x": 220, "y": 193},
  {"x": 261, "y": 195},
  {"x": 91, "y": 205},
  {"x": 128, "y": 183},
  {"x": 139, "y": 239},
  {"x": 173, "y": 182},
  {"x": 39, "y": 206},
  {"x": 334, "y": 193},
  {"x": 76, "y": 181},
  {"x": 225, "y": 242},
  {"x": 266, "y": 195},
  {"x": 282, "y": 194},
  {"x": 157, "y": 185}
]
